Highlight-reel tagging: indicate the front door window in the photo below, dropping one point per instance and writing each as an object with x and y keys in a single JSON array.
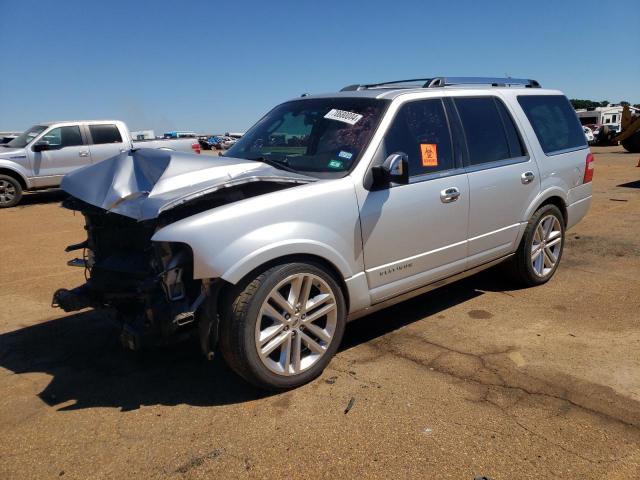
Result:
[
  {"x": 421, "y": 131},
  {"x": 63, "y": 137}
]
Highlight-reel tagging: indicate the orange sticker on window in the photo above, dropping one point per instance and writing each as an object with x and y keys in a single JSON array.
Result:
[{"x": 429, "y": 154}]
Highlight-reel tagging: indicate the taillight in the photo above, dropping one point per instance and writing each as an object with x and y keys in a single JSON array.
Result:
[
  {"x": 195, "y": 147},
  {"x": 588, "y": 168}
]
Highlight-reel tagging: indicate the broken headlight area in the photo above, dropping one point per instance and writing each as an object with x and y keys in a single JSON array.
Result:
[{"x": 149, "y": 285}]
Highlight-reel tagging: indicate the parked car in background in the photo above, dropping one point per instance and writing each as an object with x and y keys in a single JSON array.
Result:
[
  {"x": 220, "y": 142},
  {"x": 329, "y": 208},
  {"x": 42, "y": 155},
  {"x": 588, "y": 134},
  {"x": 594, "y": 127},
  {"x": 215, "y": 142},
  {"x": 605, "y": 134},
  {"x": 236, "y": 135},
  {"x": 595, "y": 131},
  {"x": 228, "y": 142},
  {"x": 6, "y": 137},
  {"x": 203, "y": 140},
  {"x": 178, "y": 134}
]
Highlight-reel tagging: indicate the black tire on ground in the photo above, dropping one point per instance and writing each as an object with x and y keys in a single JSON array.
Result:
[
  {"x": 521, "y": 264},
  {"x": 10, "y": 191},
  {"x": 632, "y": 144},
  {"x": 240, "y": 307}
]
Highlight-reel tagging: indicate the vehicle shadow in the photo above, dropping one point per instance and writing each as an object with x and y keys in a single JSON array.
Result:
[
  {"x": 88, "y": 365},
  {"x": 427, "y": 305},
  {"x": 635, "y": 184},
  {"x": 42, "y": 197},
  {"x": 89, "y": 368}
]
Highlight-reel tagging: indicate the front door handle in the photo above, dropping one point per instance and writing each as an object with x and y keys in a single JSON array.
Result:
[
  {"x": 527, "y": 177},
  {"x": 449, "y": 195},
  {"x": 83, "y": 153}
]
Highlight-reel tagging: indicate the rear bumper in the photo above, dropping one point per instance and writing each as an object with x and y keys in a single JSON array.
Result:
[{"x": 577, "y": 210}]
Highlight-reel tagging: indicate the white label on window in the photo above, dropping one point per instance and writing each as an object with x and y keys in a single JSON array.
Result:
[{"x": 343, "y": 116}]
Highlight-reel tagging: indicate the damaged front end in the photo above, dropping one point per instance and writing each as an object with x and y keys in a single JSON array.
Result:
[{"x": 149, "y": 286}]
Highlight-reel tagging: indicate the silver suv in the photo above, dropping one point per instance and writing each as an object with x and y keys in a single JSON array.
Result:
[{"x": 329, "y": 208}]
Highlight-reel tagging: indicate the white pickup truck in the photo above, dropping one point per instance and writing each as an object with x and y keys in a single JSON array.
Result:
[{"x": 42, "y": 155}]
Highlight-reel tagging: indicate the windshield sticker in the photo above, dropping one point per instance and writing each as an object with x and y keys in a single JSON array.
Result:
[
  {"x": 345, "y": 155},
  {"x": 343, "y": 116},
  {"x": 335, "y": 164},
  {"x": 429, "y": 154}
]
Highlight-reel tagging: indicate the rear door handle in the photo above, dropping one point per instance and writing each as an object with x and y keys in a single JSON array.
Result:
[
  {"x": 83, "y": 153},
  {"x": 527, "y": 177},
  {"x": 449, "y": 195}
]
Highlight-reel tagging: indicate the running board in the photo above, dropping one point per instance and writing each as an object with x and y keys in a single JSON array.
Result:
[{"x": 427, "y": 288}]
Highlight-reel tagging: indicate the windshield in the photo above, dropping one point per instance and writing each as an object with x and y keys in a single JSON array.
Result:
[
  {"x": 27, "y": 137},
  {"x": 321, "y": 137}
]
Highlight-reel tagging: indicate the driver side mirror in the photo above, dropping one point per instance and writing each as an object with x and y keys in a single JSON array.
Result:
[
  {"x": 395, "y": 169},
  {"x": 41, "y": 146}
]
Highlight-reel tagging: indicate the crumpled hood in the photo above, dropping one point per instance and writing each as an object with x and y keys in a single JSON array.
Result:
[{"x": 143, "y": 183}]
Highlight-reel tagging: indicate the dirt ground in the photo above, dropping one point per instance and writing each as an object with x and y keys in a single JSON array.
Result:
[{"x": 477, "y": 378}]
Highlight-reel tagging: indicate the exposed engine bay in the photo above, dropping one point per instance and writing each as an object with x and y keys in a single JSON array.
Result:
[{"x": 149, "y": 286}]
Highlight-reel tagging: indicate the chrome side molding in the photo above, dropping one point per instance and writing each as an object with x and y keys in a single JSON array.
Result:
[{"x": 427, "y": 288}]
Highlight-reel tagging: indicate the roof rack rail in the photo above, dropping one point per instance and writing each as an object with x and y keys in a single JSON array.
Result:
[
  {"x": 447, "y": 81},
  {"x": 493, "y": 81},
  {"x": 357, "y": 86}
]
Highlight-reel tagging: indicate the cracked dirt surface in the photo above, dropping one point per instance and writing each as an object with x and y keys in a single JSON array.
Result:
[{"x": 477, "y": 378}]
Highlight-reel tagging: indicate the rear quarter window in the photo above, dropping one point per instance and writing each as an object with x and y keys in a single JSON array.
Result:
[
  {"x": 554, "y": 121},
  {"x": 489, "y": 130}
]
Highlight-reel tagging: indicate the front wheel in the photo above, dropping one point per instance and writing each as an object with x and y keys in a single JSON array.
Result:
[
  {"x": 540, "y": 250},
  {"x": 10, "y": 191},
  {"x": 283, "y": 327}
]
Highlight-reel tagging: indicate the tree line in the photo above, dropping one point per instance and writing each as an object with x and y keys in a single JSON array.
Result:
[{"x": 577, "y": 103}]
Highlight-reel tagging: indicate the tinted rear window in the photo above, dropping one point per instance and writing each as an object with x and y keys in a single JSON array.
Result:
[
  {"x": 484, "y": 130},
  {"x": 105, "y": 134},
  {"x": 554, "y": 121}
]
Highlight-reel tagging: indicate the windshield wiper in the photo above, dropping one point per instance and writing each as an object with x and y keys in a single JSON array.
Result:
[{"x": 274, "y": 164}]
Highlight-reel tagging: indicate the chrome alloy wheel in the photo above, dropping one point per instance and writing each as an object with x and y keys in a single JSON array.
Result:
[
  {"x": 7, "y": 192},
  {"x": 546, "y": 245},
  {"x": 296, "y": 324}
]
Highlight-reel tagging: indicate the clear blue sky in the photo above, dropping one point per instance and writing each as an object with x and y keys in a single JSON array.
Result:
[{"x": 218, "y": 66}]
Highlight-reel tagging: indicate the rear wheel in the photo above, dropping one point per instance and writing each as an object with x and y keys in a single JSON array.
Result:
[
  {"x": 10, "y": 191},
  {"x": 284, "y": 326},
  {"x": 540, "y": 250}
]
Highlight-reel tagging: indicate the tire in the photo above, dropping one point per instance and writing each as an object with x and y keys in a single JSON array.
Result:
[
  {"x": 10, "y": 191},
  {"x": 523, "y": 267},
  {"x": 632, "y": 144},
  {"x": 253, "y": 320}
]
